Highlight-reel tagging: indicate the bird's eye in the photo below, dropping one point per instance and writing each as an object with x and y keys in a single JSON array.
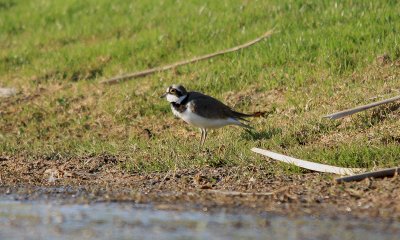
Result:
[{"x": 172, "y": 91}]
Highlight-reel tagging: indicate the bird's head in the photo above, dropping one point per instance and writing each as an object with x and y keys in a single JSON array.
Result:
[{"x": 175, "y": 94}]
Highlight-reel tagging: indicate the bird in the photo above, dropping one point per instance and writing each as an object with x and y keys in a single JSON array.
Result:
[{"x": 203, "y": 111}]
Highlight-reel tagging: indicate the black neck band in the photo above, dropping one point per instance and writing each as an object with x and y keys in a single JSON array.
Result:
[{"x": 185, "y": 100}]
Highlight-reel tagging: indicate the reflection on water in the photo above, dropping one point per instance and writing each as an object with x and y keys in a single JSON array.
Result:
[{"x": 49, "y": 220}]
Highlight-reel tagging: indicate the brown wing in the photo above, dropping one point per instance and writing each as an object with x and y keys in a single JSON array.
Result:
[{"x": 210, "y": 107}]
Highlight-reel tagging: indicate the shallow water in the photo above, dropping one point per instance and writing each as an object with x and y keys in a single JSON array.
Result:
[{"x": 50, "y": 220}]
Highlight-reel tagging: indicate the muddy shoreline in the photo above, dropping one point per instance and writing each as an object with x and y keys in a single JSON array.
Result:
[{"x": 235, "y": 188}]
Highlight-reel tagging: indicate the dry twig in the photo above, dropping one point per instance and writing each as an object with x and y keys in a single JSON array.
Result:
[
  {"x": 389, "y": 172},
  {"x": 184, "y": 62}
]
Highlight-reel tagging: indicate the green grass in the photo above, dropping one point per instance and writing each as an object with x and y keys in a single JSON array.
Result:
[{"x": 322, "y": 60}]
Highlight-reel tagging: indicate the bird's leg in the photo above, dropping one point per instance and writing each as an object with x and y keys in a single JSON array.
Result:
[
  {"x": 202, "y": 136},
  {"x": 205, "y": 135}
]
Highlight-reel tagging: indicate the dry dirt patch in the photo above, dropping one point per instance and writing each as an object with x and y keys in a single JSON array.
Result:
[{"x": 249, "y": 188}]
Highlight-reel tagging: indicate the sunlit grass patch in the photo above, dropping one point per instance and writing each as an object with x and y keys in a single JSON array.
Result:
[{"x": 322, "y": 59}]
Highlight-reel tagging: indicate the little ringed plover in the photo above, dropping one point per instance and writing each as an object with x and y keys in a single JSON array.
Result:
[{"x": 203, "y": 111}]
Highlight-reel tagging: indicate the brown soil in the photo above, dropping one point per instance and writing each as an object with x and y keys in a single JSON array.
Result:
[{"x": 100, "y": 179}]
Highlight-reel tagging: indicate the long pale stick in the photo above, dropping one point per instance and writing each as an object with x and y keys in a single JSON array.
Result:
[
  {"x": 308, "y": 165},
  {"x": 360, "y": 108}
]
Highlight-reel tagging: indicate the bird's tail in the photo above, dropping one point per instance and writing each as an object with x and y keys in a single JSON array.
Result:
[{"x": 241, "y": 116}]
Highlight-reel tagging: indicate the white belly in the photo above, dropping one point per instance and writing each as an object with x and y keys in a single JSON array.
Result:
[{"x": 202, "y": 122}]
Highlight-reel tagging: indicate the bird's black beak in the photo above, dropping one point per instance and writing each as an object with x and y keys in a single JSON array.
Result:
[{"x": 164, "y": 95}]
